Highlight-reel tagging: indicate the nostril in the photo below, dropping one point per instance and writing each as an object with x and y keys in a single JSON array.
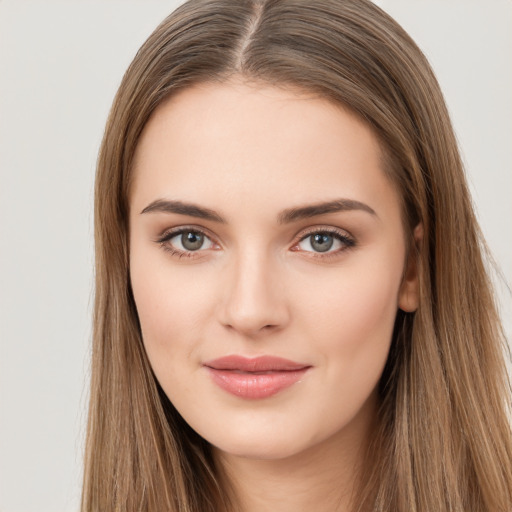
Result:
[{"x": 252, "y": 302}]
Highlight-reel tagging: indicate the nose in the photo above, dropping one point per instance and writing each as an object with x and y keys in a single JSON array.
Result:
[{"x": 254, "y": 297}]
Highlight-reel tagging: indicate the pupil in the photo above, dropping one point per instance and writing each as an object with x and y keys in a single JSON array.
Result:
[
  {"x": 192, "y": 241},
  {"x": 322, "y": 242}
]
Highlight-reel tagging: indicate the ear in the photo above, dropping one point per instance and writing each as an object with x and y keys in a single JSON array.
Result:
[{"x": 408, "y": 296}]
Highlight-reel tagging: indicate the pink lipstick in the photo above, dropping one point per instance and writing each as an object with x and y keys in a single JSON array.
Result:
[{"x": 255, "y": 378}]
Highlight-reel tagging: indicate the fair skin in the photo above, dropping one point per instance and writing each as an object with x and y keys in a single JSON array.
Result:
[{"x": 256, "y": 278}]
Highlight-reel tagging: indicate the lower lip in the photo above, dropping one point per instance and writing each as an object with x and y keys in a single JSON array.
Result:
[{"x": 255, "y": 385}]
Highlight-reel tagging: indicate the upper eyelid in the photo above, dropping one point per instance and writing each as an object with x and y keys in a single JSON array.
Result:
[
  {"x": 302, "y": 233},
  {"x": 323, "y": 229},
  {"x": 169, "y": 233}
]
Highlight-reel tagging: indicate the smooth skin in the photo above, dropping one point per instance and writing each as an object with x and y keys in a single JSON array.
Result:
[{"x": 250, "y": 277}]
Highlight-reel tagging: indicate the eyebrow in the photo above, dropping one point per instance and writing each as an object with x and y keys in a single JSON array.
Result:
[
  {"x": 338, "y": 205},
  {"x": 285, "y": 217},
  {"x": 192, "y": 210}
]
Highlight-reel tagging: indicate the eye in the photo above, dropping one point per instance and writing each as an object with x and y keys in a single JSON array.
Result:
[
  {"x": 325, "y": 241},
  {"x": 184, "y": 241}
]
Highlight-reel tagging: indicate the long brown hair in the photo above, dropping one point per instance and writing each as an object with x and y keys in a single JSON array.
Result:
[{"x": 444, "y": 439}]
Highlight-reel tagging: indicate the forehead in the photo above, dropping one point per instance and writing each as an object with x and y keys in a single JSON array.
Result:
[{"x": 239, "y": 144}]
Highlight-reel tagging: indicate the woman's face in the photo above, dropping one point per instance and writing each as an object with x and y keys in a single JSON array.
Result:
[{"x": 266, "y": 256}]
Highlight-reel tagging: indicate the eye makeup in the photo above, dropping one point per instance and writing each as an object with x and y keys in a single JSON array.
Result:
[
  {"x": 193, "y": 237},
  {"x": 316, "y": 242},
  {"x": 324, "y": 239}
]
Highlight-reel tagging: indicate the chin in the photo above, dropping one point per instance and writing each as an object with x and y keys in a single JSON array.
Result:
[
  {"x": 275, "y": 443},
  {"x": 277, "y": 449}
]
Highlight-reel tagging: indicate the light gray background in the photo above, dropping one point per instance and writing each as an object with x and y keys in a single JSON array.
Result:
[{"x": 60, "y": 64}]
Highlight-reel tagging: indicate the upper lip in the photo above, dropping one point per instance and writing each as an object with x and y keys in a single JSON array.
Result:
[{"x": 255, "y": 364}]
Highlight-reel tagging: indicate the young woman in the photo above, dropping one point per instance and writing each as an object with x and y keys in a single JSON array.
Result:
[{"x": 292, "y": 309}]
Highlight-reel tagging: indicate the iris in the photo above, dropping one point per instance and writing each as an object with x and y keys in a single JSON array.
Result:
[{"x": 321, "y": 242}]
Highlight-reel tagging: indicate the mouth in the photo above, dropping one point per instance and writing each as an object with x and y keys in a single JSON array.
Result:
[{"x": 255, "y": 378}]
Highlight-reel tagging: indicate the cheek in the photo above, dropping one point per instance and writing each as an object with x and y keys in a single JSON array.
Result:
[
  {"x": 366, "y": 302},
  {"x": 350, "y": 323},
  {"x": 171, "y": 307}
]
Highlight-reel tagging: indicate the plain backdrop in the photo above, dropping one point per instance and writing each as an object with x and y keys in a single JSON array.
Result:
[{"x": 60, "y": 65}]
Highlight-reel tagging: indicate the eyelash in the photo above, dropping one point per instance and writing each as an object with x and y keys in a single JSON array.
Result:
[
  {"x": 168, "y": 235},
  {"x": 347, "y": 241}
]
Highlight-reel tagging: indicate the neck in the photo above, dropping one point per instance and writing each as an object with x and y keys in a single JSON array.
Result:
[{"x": 322, "y": 477}]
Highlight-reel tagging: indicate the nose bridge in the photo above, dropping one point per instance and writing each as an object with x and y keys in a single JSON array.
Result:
[{"x": 254, "y": 296}]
